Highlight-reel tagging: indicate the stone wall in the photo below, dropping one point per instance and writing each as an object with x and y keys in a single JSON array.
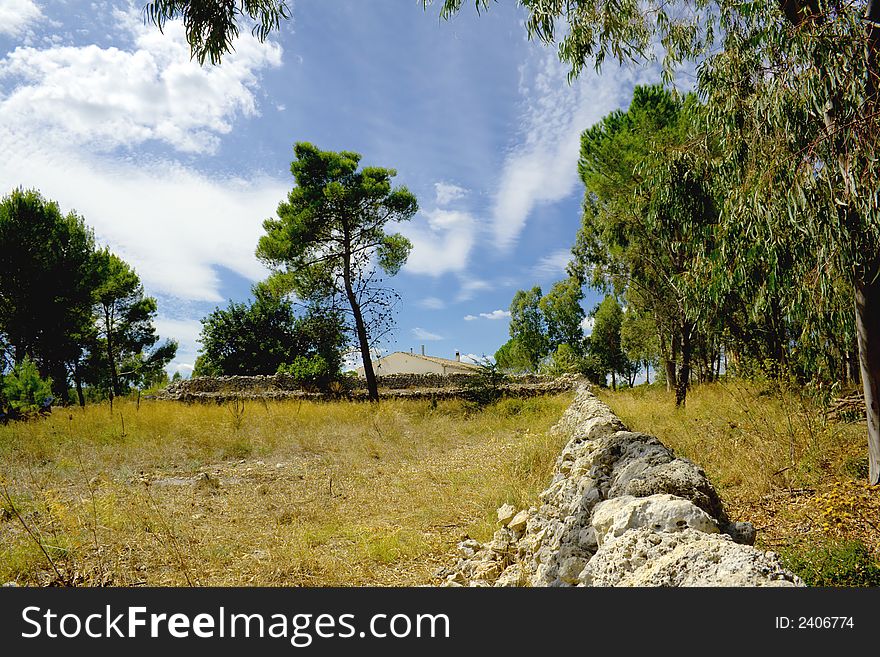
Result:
[
  {"x": 280, "y": 386},
  {"x": 621, "y": 510}
]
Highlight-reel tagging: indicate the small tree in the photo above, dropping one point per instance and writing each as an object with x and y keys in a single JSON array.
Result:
[
  {"x": 330, "y": 236},
  {"x": 605, "y": 338},
  {"x": 261, "y": 336},
  {"x": 23, "y": 392},
  {"x": 126, "y": 334},
  {"x": 638, "y": 339}
]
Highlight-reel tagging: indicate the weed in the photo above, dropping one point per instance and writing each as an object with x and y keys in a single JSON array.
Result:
[{"x": 833, "y": 563}]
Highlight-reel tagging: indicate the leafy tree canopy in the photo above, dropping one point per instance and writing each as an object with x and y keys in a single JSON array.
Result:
[{"x": 328, "y": 243}]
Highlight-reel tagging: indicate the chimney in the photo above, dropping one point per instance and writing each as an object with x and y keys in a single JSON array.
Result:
[
  {"x": 423, "y": 350},
  {"x": 457, "y": 356}
]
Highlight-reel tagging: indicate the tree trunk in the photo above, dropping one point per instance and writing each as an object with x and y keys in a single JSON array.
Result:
[
  {"x": 684, "y": 369},
  {"x": 77, "y": 379},
  {"x": 868, "y": 331},
  {"x": 647, "y": 373},
  {"x": 613, "y": 380},
  {"x": 114, "y": 377},
  {"x": 669, "y": 364},
  {"x": 361, "y": 329},
  {"x": 59, "y": 383}
]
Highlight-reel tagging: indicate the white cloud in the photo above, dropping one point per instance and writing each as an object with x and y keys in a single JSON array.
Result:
[
  {"x": 16, "y": 15},
  {"x": 170, "y": 222},
  {"x": 553, "y": 264},
  {"x": 186, "y": 332},
  {"x": 103, "y": 98},
  {"x": 442, "y": 242},
  {"x": 432, "y": 303},
  {"x": 447, "y": 193},
  {"x": 494, "y": 315},
  {"x": 542, "y": 167},
  {"x": 470, "y": 287},
  {"x": 587, "y": 325},
  {"x": 422, "y": 334}
]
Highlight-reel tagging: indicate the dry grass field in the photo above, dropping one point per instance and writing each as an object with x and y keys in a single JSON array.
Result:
[
  {"x": 339, "y": 493},
  {"x": 263, "y": 494},
  {"x": 778, "y": 462}
]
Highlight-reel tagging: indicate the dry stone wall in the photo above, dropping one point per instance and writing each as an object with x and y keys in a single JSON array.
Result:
[
  {"x": 621, "y": 510},
  {"x": 280, "y": 386}
]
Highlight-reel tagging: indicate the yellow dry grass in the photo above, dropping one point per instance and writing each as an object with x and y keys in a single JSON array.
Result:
[
  {"x": 263, "y": 494},
  {"x": 771, "y": 453}
]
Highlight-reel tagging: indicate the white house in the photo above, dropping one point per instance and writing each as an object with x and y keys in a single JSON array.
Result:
[{"x": 401, "y": 362}]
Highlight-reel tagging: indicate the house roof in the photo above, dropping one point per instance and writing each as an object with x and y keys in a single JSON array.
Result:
[{"x": 447, "y": 362}]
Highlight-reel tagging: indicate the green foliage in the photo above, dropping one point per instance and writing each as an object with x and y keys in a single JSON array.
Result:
[
  {"x": 23, "y": 392},
  {"x": 309, "y": 370},
  {"x": 329, "y": 235},
  {"x": 486, "y": 385},
  {"x": 212, "y": 25},
  {"x": 833, "y": 563},
  {"x": 528, "y": 326},
  {"x": 540, "y": 323},
  {"x": 46, "y": 278},
  {"x": 605, "y": 343},
  {"x": 125, "y": 351},
  {"x": 512, "y": 357},
  {"x": 626, "y": 30},
  {"x": 563, "y": 315},
  {"x": 264, "y": 335}
]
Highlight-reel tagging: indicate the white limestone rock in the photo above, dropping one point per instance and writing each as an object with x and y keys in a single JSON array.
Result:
[
  {"x": 660, "y": 513},
  {"x": 642, "y": 557},
  {"x": 505, "y": 514}
]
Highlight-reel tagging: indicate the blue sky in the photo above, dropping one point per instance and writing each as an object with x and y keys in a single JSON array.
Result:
[{"x": 176, "y": 166}]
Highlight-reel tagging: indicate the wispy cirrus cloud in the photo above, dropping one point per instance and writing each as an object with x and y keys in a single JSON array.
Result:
[
  {"x": 446, "y": 193},
  {"x": 421, "y": 334},
  {"x": 553, "y": 264},
  {"x": 432, "y": 303},
  {"x": 542, "y": 166}
]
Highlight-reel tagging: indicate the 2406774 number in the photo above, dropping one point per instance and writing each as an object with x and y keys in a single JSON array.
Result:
[{"x": 815, "y": 622}]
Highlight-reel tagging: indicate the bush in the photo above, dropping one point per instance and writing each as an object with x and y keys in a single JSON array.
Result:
[
  {"x": 833, "y": 563},
  {"x": 24, "y": 394},
  {"x": 486, "y": 385},
  {"x": 308, "y": 371}
]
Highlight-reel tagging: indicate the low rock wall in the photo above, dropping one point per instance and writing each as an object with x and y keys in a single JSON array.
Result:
[
  {"x": 621, "y": 510},
  {"x": 411, "y": 386}
]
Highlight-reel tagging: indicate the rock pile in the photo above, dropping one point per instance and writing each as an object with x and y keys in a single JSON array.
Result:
[{"x": 621, "y": 510}]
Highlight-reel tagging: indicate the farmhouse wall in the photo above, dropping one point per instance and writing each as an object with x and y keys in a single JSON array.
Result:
[{"x": 621, "y": 510}]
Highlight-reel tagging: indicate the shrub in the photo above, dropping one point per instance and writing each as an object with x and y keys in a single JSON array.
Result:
[
  {"x": 308, "y": 371},
  {"x": 24, "y": 394},
  {"x": 486, "y": 385},
  {"x": 833, "y": 563}
]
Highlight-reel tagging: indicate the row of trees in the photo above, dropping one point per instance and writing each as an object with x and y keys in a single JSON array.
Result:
[
  {"x": 75, "y": 311},
  {"x": 547, "y": 335},
  {"x": 80, "y": 315}
]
